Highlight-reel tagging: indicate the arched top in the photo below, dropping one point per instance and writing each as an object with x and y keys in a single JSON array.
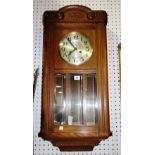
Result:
[
  {"x": 75, "y": 7},
  {"x": 74, "y": 14}
]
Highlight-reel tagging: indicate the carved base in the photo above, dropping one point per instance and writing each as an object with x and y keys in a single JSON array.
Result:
[
  {"x": 76, "y": 144},
  {"x": 72, "y": 144}
]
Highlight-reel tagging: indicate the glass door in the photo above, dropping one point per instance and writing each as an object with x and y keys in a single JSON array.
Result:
[{"x": 75, "y": 99}]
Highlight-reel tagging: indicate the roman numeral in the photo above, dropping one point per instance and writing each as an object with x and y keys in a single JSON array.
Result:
[
  {"x": 81, "y": 38},
  {"x": 64, "y": 43},
  {"x": 63, "y": 48},
  {"x": 87, "y": 48},
  {"x": 85, "y": 42},
  {"x": 82, "y": 59},
  {"x": 69, "y": 38},
  {"x": 76, "y": 37},
  {"x": 64, "y": 55}
]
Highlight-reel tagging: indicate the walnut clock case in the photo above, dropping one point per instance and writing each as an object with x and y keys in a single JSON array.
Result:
[{"x": 75, "y": 105}]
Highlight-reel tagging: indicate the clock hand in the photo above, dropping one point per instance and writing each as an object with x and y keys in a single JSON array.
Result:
[
  {"x": 72, "y": 51},
  {"x": 72, "y": 44}
]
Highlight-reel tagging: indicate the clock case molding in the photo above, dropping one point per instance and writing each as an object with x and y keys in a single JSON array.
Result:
[{"x": 93, "y": 25}]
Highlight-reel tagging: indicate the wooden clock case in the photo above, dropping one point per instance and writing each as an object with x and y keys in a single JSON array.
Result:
[{"x": 75, "y": 18}]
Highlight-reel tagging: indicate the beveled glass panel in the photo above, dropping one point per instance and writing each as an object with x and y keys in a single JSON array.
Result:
[
  {"x": 59, "y": 105},
  {"x": 75, "y": 98},
  {"x": 90, "y": 112}
]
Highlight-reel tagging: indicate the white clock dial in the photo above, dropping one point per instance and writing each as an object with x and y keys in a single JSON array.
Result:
[{"x": 75, "y": 48}]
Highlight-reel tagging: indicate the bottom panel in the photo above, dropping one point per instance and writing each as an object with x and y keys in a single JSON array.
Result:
[{"x": 75, "y": 144}]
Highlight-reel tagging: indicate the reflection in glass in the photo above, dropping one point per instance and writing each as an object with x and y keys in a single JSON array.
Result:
[
  {"x": 59, "y": 106},
  {"x": 75, "y": 99},
  {"x": 91, "y": 99}
]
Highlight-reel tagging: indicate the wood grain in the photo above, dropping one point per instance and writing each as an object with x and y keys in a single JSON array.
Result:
[{"x": 93, "y": 25}]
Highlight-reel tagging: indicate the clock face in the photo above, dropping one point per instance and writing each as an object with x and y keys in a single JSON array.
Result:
[{"x": 75, "y": 48}]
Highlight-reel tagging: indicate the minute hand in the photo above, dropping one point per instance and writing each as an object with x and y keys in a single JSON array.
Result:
[{"x": 72, "y": 44}]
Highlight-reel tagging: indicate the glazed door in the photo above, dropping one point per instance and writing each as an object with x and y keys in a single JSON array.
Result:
[{"x": 75, "y": 99}]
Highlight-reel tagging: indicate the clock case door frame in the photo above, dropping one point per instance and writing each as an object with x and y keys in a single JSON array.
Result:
[{"x": 75, "y": 138}]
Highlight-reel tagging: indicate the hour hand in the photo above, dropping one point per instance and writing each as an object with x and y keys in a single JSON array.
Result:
[{"x": 72, "y": 51}]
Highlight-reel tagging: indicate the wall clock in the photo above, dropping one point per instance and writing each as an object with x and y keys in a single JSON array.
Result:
[{"x": 75, "y": 105}]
